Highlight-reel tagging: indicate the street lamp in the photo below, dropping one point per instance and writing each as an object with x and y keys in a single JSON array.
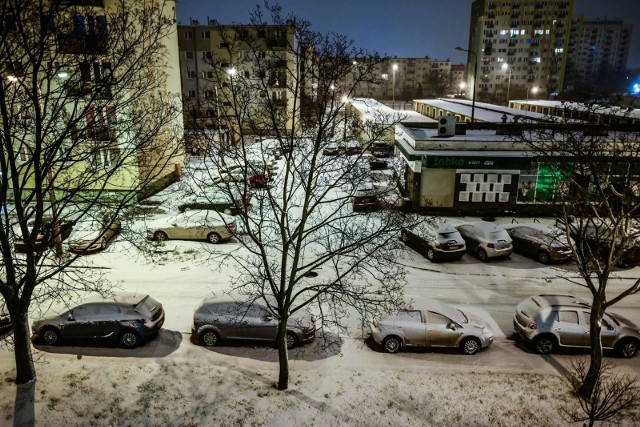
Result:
[
  {"x": 345, "y": 101},
  {"x": 475, "y": 75},
  {"x": 394, "y": 68},
  {"x": 461, "y": 85},
  {"x": 506, "y": 67},
  {"x": 534, "y": 90}
]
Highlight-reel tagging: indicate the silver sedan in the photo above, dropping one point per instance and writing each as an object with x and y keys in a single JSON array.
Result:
[{"x": 211, "y": 226}]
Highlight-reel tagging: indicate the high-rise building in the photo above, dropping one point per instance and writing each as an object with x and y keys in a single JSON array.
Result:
[
  {"x": 598, "y": 52},
  {"x": 519, "y": 45}
]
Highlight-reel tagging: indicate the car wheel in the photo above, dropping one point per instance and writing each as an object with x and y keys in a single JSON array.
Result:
[
  {"x": 392, "y": 344},
  {"x": 209, "y": 338},
  {"x": 545, "y": 344},
  {"x": 213, "y": 238},
  {"x": 160, "y": 236},
  {"x": 543, "y": 257},
  {"x": 292, "y": 340},
  {"x": 627, "y": 348},
  {"x": 482, "y": 255},
  {"x": 431, "y": 254},
  {"x": 403, "y": 236},
  {"x": 470, "y": 346},
  {"x": 50, "y": 336},
  {"x": 129, "y": 339}
]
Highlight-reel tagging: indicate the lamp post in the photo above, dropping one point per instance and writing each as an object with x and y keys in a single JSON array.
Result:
[
  {"x": 507, "y": 67},
  {"x": 345, "y": 101},
  {"x": 394, "y": 68},
  {"x": 534, "y": 90},
  {"x": 475, "y": 75}
]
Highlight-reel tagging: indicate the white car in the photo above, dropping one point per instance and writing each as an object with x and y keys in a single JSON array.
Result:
[
  {"x": 93, "y": 231},
  {"x": 214, "y": 227}
]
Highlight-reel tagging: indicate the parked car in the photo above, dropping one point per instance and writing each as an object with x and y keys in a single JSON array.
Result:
[
  {"x": 364, "y": 198},
  {"x": 436, "y": 241},
  {"x": 381, "y": 149},
  {"x": 376, "y": 163},
  {"x": 211, "y": 226},
  {"x": 45, "y": 237},
  {"x": 93, "y": 231},
  {"x": 219, "y": 202},
  {"x": 552, "y": 321},
  {"x": 217, "y": 320},
  {"x": 129, "y": 319},
  {"x": 333, "y": 149},
  {"x": 434, "y": 325},
  {"x": 543, "y": 243},
  {"x": 230, "y": 176},
  {"x": 598, "y": 236},
  {"x": 352, "y": 147},
  {"x": 486, "y": 240}
]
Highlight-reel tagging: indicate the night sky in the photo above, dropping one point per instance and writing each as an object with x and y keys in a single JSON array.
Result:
[{"x": 408, "y": 28}]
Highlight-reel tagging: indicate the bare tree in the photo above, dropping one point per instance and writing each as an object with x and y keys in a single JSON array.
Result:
[
  {"x": 305, "y": 245},
  {"x": 87, "y": 123},
  {"x": 594, "y": 177},
  {"x": 612, "y": 397}
]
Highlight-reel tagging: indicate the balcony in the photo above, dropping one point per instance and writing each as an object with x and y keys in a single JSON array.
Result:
[
  {"x": 100, "y": 133},
  {"x": 87, "y": 44},
  {"x": 277, "y": 63},
  {"x": 277, "y": 43},
  {"x": 102, "y": 91}
]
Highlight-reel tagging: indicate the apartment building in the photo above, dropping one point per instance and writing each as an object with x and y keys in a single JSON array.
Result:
[
  {"x": 224, "y": 66},
  {"x": 518, "y": 45},
  {"x": 97, "y": 128},
  {"x": 409, "y": 78},
  {"x": 598, "y": 52}
]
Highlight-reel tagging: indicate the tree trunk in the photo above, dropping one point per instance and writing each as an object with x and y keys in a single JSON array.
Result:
[
  {"x": 25, "y": 370},
  {"x": 590, "y": 380},
  {"x": 283, "y": 356}
]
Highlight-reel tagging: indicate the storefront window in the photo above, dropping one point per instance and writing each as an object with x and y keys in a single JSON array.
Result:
[{"x": 539, "y": 185}]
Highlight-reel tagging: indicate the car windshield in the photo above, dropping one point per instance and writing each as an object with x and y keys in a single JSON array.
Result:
[{"x": 466, "y": 319}]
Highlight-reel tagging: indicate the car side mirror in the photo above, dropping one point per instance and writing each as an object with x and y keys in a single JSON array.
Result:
[
  {"x": 70, "y": 318},
  {"x": 610, "y": 327},
  {"x": 268, "y": 318},
  {"x": 451, "y": 326}
]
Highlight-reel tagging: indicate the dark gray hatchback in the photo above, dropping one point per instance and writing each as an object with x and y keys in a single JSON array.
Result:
[
  {"x": 127, "y": 319},
  {"x": 215, "y": 320}
]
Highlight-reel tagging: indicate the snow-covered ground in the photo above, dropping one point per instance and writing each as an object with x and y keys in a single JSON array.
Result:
[{"x": 172, "y": 381}]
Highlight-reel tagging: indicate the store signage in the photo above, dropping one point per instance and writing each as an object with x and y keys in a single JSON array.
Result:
[{"x": 474, "y": 162}]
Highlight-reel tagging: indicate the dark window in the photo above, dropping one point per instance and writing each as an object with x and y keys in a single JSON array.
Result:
[{"x": 79, "y": 29}]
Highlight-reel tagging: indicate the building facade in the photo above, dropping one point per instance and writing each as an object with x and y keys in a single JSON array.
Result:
[
  {"x": 219, "y": 62},
  {"x": 518, "y": 45},
  {"x": 405, "y": 79},
  {"x": 598, "y": 52},
  {"x": 91, "y": 107}
]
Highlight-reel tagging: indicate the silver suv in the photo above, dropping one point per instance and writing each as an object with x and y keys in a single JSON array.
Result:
[
  {"x": 552, "y": 321},
  {"x": 435, "y": 241},
  {"x": 486, "y": 240}
]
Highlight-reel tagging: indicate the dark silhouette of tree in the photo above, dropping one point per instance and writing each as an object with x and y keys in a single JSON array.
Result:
[
  {"x": 304, "y": 246},
  {"x": 596, "y": 172},
  {"x": 86, "y": 124}
]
